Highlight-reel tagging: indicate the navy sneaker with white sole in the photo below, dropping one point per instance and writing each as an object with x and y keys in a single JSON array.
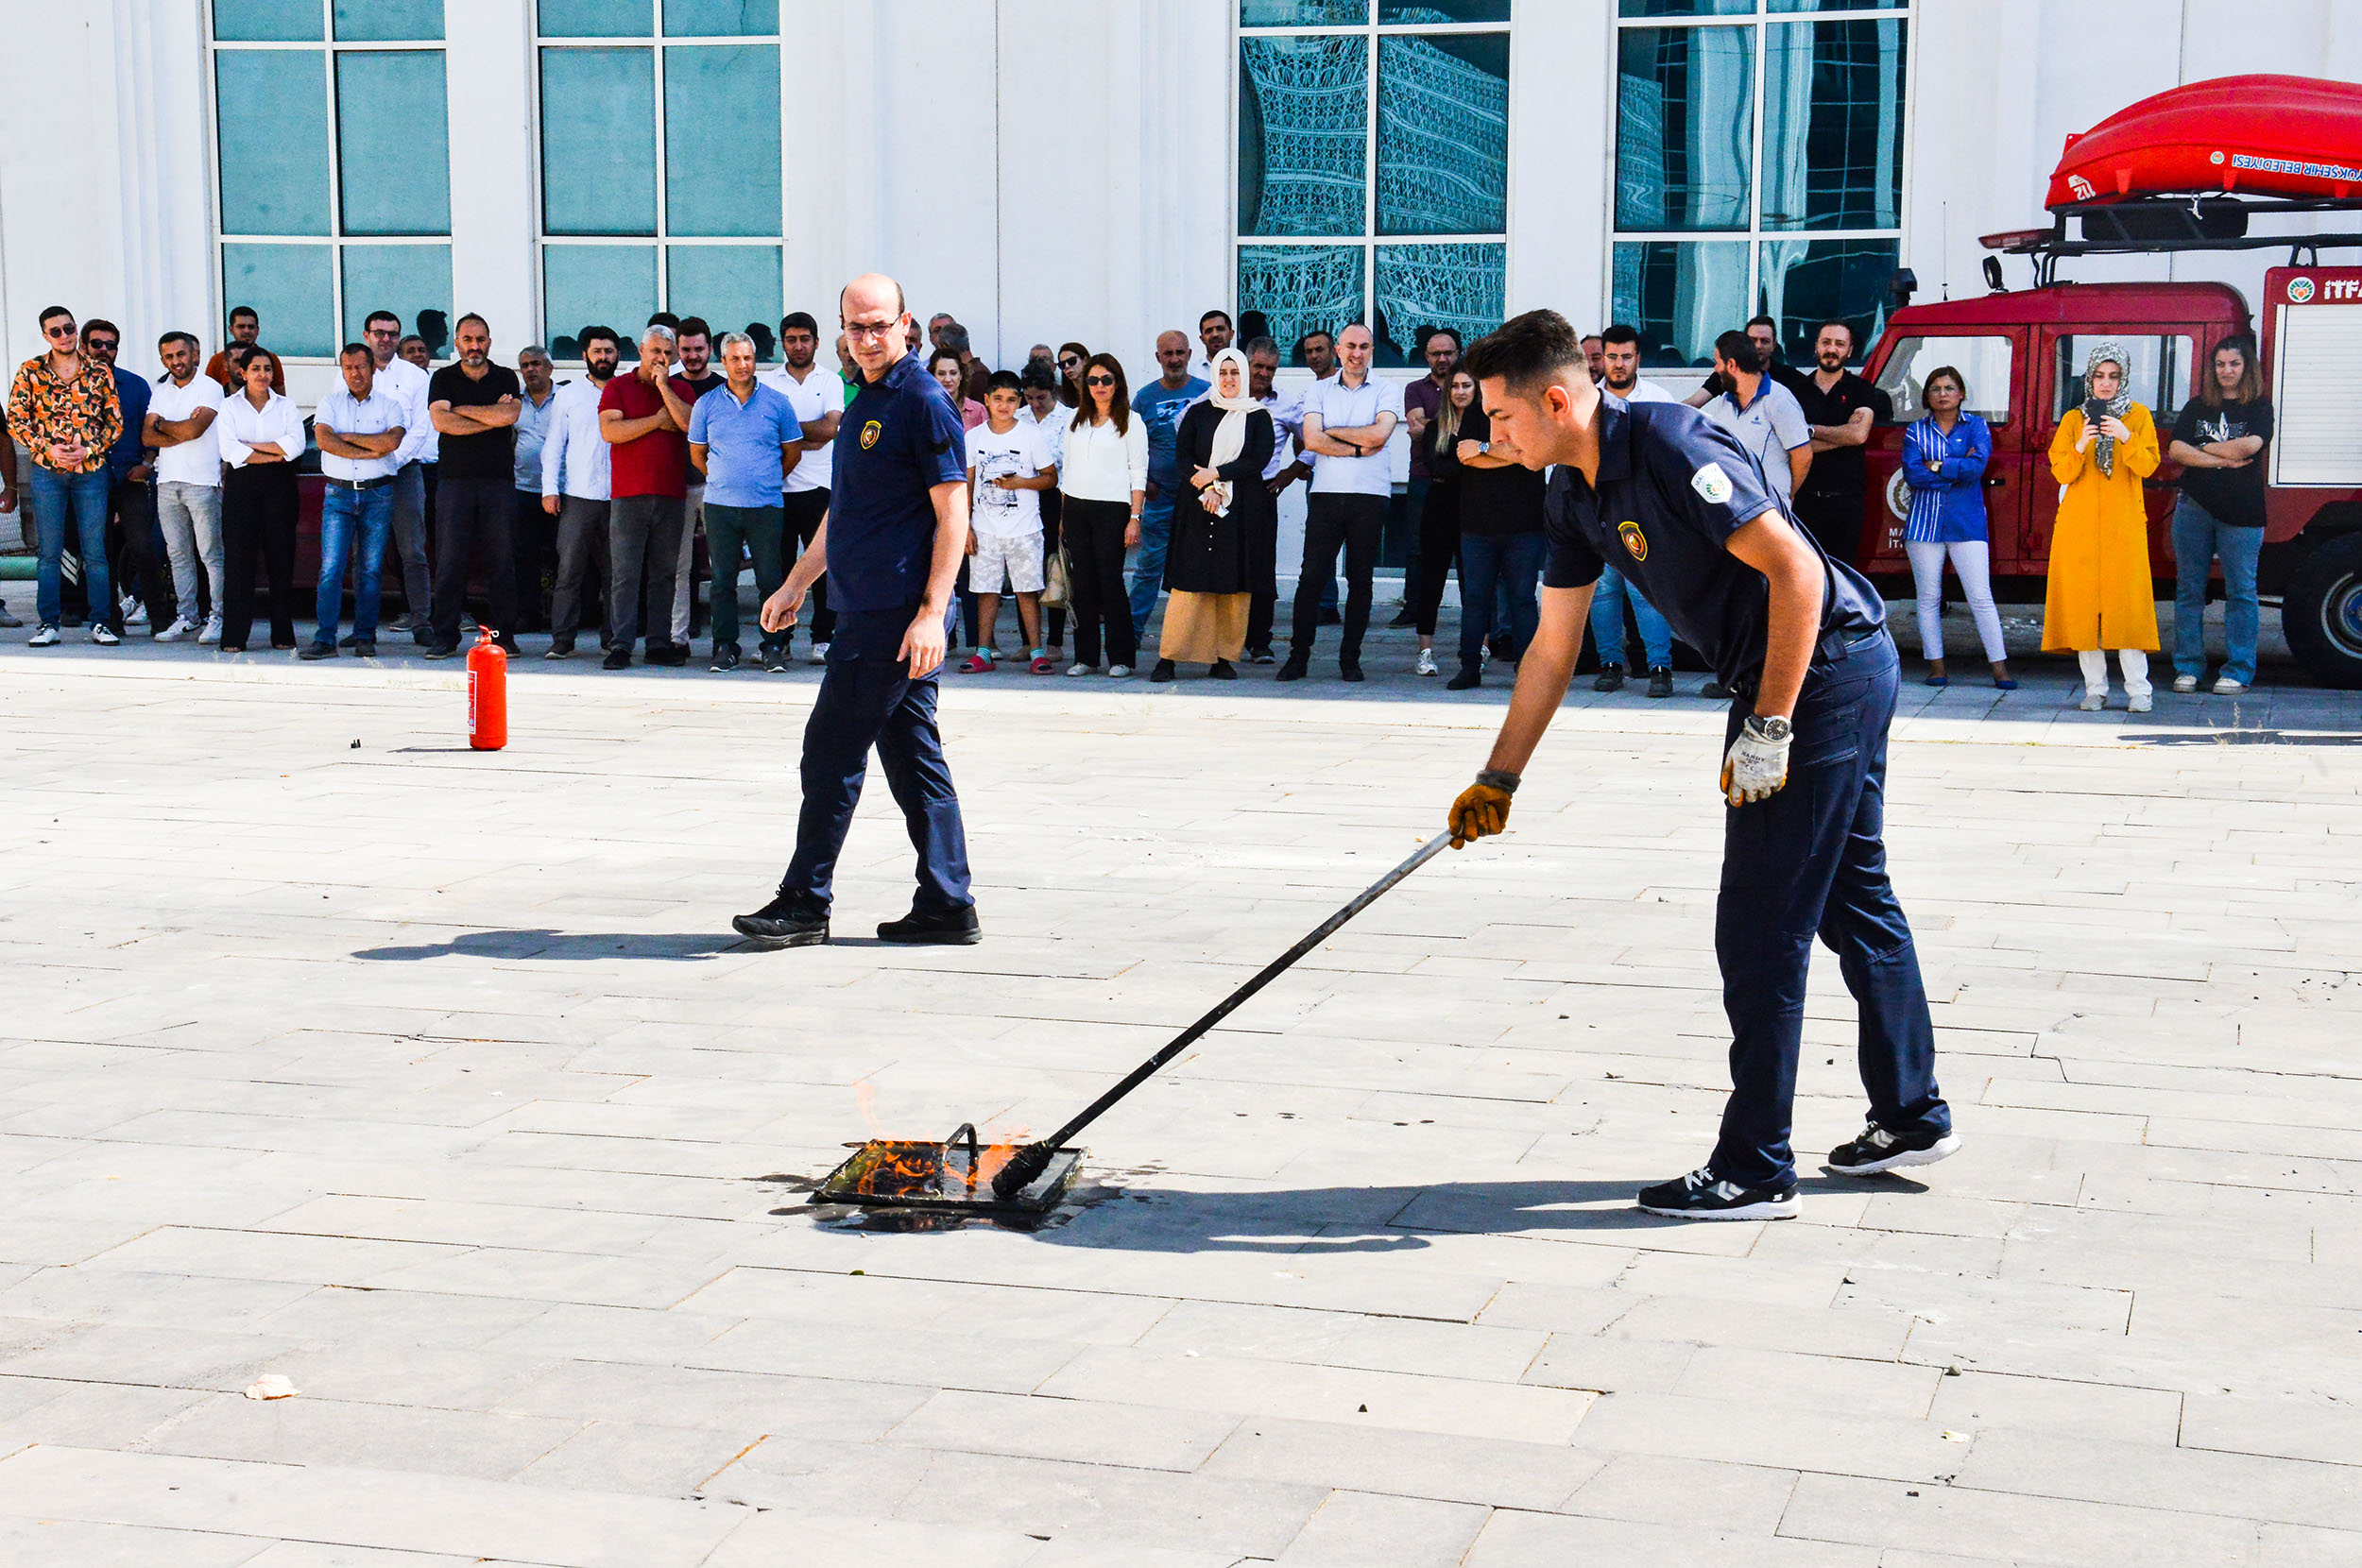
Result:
[
  {"x": 1878, "y": 1150},
  {"x": 1702, "y": 1195}
]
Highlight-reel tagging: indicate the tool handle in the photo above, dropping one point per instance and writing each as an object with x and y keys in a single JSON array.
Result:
[{"x": 1269, "y": 972}]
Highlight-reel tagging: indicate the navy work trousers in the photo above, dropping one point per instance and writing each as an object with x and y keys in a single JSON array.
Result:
[
  {"x": 868, "y": 699},
  {"x": 1811, "y": 861}
]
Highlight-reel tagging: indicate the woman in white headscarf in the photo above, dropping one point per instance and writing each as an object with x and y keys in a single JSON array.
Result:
[
  {"x": 2101, "y": 595},
  {"x": 1224, "y": 444}
]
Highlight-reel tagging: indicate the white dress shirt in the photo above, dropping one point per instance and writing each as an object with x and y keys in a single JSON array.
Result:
[
  {"x": 820, "y": 394},
  {"x": 1096, "y": 464},
  {"x": 341, "y": 412},
  {"x": 197, "y": 462},
  {"x": 407, "y": 384},
  {"x": 242, "y": 426},
  {"x": 1287, "y": 423},
  {"x": 573, "y": 454},
  {"x": 1052, "y": 429}
]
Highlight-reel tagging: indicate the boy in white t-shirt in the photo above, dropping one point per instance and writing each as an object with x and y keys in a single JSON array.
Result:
[{"x": 1009, "y": 464}]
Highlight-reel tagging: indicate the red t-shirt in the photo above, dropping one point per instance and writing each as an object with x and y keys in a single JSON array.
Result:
[{"x": 658, "y": 463}]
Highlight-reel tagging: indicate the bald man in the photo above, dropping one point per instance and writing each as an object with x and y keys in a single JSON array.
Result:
[{"x": 891, "y": 543}]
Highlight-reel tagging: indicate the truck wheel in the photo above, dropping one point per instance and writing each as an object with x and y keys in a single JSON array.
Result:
[{"x": 2321, "y": 611}]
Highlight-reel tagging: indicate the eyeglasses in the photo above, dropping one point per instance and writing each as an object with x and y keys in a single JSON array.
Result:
[
  {"x": 103, "y": 344},
  {"x": 66, "y": 331},
  {"x": 1099, "y": 381},
  {"x": 873, "y": 330},
  {"x": 1069, "y": 362}
]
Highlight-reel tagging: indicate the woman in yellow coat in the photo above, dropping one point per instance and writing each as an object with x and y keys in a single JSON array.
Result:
[{"x": 2101, "y": 595}]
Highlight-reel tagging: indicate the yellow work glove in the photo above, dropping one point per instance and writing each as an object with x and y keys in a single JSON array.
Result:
[{"x": 1482, "y": 808}]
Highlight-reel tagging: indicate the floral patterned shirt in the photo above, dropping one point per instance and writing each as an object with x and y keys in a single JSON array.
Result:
[{"x": 47, "y": 410}]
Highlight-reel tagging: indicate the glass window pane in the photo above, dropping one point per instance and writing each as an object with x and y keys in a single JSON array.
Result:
[
  {"x": 721, "y": 18},
  {"x": 1435, "y": 285},
  {"x": 1678, "y": 295},
  {"x": 1808, "y": 282},
  {"x": 1300, "y": 288},
  {"x": 1415, "y": 12},
  {"x": 597, "y": 18},
  {"x": 388, "y": 20},
  {"x": 1303, "y": 13},
  {"x": 1443, "y": 134},
  {"x": 411, "y": 281},
  {"x": 286, "y": 286},
  {"x": 732, "y": 287},
  {"x": 273, "y": 115},
  {"x": 1302, "y": 128},
  {"x": 596, "y": 286},
  {"x": 1684, "y": 120},
  {"x": 1833, "y": 5},
  {"x": 268, "y": 20},
  {"x": 2159, "y": 376},
  {"x": 598, "y": 142},
  {"x": 1833, "y": 125},
  {"x": 1688, "y": 7},
  {"x": 721, "y": 139},
  {"x": 1983, "y": 362},
  {"x": 393, "y": 142}
]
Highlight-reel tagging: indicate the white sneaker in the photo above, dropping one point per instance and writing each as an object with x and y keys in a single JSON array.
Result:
[
  {"x": 2223, "y": 688},
  {"x": 45, "y": 637},
  {"x": 104, "y": 636},
  {"x": 181, "y": 627},
  {"x": 1081, "y": 668},
  {"x": 2094, "y": 701},
  {"x": 1119, "y": 672},
  {"x": 1427, "y": 661},
  {"x": 135, "y": 616},
  {"x": 819, "y": 653},
  {"x": 2185, "y": 684},
  {"x": 212, "y": 630},
  {"x": 2137, "y": 704}
]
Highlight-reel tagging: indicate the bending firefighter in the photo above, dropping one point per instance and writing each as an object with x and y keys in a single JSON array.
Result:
[{"x": 1685, "y": 515}]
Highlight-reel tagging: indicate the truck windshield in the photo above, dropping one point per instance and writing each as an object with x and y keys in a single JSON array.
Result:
[
  {"x": 2160, "y": 372},
  {"x": 1983, "y": 362}
]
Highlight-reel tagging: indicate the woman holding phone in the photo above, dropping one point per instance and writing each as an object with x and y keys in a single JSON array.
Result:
[{"x": 2101, "y": 595}]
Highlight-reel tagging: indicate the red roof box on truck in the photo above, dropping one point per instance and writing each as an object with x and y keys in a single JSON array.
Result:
[{"x": 2284, "y": 137}]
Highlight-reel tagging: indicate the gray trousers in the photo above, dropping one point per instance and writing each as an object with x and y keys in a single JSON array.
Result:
[
  {"x": 417, "y": 595},
  {"x": 190, "y": 515},
  {"x": 642, "y": 531},
  {"x": 581, "y": 546},
  {"x": 685, "y": 580}
]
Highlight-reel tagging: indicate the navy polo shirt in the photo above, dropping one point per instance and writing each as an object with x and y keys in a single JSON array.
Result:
[
  {"x": 129, "y": 450},
  {"x": 900, "y": 437},
  {"x": 1673, "y": 487}
]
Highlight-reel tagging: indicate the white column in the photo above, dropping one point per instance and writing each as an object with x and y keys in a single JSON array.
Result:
[
  {"x": 1562, "y": 158},
  {"x": 488, "y": 81}
]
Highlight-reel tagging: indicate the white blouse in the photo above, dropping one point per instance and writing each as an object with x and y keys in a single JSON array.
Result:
[
  {"x": 241, "y": 425},
  {"x": 1098, "y": 465}
]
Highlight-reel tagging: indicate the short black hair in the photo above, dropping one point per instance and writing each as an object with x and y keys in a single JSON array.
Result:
[
  {"x": 1755, "y": 321},
  {"x": 176, "y": 335},
  {"x": 247, "y": 311},
  {"x": 667, "y": 320},
  {"x": 1209, "y": 315},
  {"x": 477, "y": 319},
  {"x": 367, "y": 323},
  {"x": 1311, "y": 332},
  {"x": 592, "y": 334},
  {"x": 1594, "y": 337},
  {"x": 939, "y": 355},
  {"x": 1737, "y": 347},
  {"x": 1038, "y": 378},
  {"x": 55, "y": 310},
  {"x": 1003, "y": 381},
  {"x": 1621, "y": 331},
  {"x": 795, "y": 319},
  {"x": 1433, "y": 332},
  {"x": 1527, "y": 350},
  {"x": 100, "y": 324},
  {"x": 351, "y": 348},
  {"x": 692, "y": 326},
  {"x": 1851, "y": 337}
]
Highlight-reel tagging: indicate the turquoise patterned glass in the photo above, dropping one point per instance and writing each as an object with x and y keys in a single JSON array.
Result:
[
  {"x": 1301, "y": 288},
  {"x": 267, "y": 22},
  {"x": 388, "y": 20},
  {"x": 732, "y": 287},
  {"x": 1443, "y": 134},
  {"x": 597, "y": 18},
  {"x": 1679, "y": 294},
  {"x": 411, "y": 281},
  {"x": 1688, "y": 7},
  {"x": 1303, "y": 13},
  {"x": 272, "y": 105},
  {"x": 721, "y": 18},
  {"x": 393, "y": 142},
  {"x": 598, "y": 142},
  {"x": 1685, "y": 121},
  {"x": 287, "y": 286},
  {"x": 1303, "y": 129},
  {"x": 1416, "y": 13},
  {"x": 596, "y": 286},
  {"x": 721, "y": 139},
  {"x": 1460, "y": 286},
  {"x": 1833, "y": 125}
]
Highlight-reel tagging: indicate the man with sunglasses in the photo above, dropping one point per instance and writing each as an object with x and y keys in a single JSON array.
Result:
[
  {"x": 134, "y": 547},
  {"x": 891, "y": 544},
  {"x": 64, "y": 408}
]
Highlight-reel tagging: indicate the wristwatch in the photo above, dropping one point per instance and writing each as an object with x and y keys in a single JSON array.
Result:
[{"x": 1776, "y": 730}]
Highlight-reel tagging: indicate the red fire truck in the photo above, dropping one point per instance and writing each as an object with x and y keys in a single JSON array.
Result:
[{"x": 2192, "y": 169}]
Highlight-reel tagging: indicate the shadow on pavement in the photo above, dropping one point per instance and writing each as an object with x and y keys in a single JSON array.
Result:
[
  {"x": 2245, "y": 738},
  {"x": 676, "y": 945}
]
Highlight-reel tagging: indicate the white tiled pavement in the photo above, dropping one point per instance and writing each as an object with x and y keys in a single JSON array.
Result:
[{"x": 432, "y": 1081}]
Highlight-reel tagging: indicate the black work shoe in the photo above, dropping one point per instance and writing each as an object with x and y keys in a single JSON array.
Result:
[
  {"x": 617, "y": 659},
  {"x": 442, "y": 650},
  {"x": 507, "y": 643},
  {"x": 1878, "y": 1150},
  {"x": 785, "y": 922},
  {"x": 1713, "y": 690},
  {"x": 1350, "y": 668},
  {"x": 725, "y": 658},
  {"x": 1660, "y": 681},
  {"x": 1329, "y": 617},
  {"x": 1297, "y": 667},
  {"x": 1405, "y": 618},
  {"x": 349, "y": 639},
  {"x": 1611, "y": 678},
  {"x": 561, "y": 648},
  {"x": 1222, "y": 669},
  {"x": 951, "y": 928},
  {"x": 318, "y": 650},
  {"x": 367, "y": 649},
  {"x": 1463, "y": 681},
  {"x": 1163, "y": 671},
  {"x": 775, "y": 661},
  {"x": 1260, "y": 655},
  {"x": 670, "y": 655},
  {"x": 1701, "y": 1195}
]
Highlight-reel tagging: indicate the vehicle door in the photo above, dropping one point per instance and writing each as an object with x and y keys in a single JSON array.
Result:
[
  {"x": 1994, "y": 363},
  {"x": 2163, "y": 362}
]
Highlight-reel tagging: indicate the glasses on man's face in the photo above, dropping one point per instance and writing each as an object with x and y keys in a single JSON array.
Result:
[
  {"x": 1099, "y": 381},
  {"x": 875, "y": 331},
  {"x": 66, "y": 331},
  {"x": 102, "y": 345}
]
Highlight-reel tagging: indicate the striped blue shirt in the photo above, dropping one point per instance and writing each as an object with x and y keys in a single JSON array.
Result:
[{"x": 1948, "y": 499}]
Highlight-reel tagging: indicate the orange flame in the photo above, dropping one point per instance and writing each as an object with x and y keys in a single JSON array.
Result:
[{"x": 912, "y": 1167}]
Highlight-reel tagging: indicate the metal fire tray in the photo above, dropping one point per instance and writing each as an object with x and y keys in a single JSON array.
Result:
[{"x": 917, "y": 1174}]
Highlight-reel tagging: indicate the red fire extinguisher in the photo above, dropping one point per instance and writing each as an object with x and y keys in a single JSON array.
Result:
[{"x": 487, "y": 692}]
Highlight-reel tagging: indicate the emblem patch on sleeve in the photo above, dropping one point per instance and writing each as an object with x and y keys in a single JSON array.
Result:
[
  {"x": 1712, "y": 483},
  {"x": 1634, "y": 540}
]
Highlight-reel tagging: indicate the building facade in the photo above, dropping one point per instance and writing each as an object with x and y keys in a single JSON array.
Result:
[{"x": 1053, "y": 169}]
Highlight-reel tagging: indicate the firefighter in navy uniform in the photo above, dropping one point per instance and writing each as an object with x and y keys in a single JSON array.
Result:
[
  {"x": 1684, "y": 514},
  {"x": 891, "y": 543}
]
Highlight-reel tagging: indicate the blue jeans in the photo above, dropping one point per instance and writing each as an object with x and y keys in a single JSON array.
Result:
[
  {"x": 344, "y": 515},
  {"x": 52, "y": 496},
  {"x": 2198, "y": 536},
  {"x": 1492, "y": 567},
  {"x": 1811, "y": 861},
  {"x": 1148, "y": 567},
  {"x": 1607, "y": 623}
]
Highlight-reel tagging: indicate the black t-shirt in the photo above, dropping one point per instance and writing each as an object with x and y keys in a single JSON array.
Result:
[
  {"x": 493, "y": 453},
  {"x": 1673, "y": 487},
  {"x": 1839, "y": 470},
  {"x": 1493, "y": 501},
  {"x": 2234, "y": 496}
]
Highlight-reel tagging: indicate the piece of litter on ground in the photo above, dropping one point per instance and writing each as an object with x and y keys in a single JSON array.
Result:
[
  {"x": 1950, "y": 1436},
  {"x": 271, "y": 1386}
]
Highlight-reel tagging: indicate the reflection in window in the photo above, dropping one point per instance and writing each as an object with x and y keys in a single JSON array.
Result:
[
  {"x": 411, "y": 281},
  {"x": 1688, "y": 7},
  {"x": 1302, "y": 125},
  {"x": 1683, "y": 123},
  {"x": 288, "y": 286},
  {"x": 1679, "y": 295},
  {"x": 1301, "y": 288},
  {"x": 1983, "y": 363},
  {"x": 1413, "y": 14},
  {"x": 2159, "y": 375},
  {"x": 393, "y": 142},
  {"x": 1303, "y": 13},
  {"x": 1443, "y": 134},
  {"x": 1435, "y": 285},
  {"x": 596, "y": 286},
  {"x": 1833, "y": 125},
  {"x": 722, "y": 140},
  {"x": 1806, "y": 283}
]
